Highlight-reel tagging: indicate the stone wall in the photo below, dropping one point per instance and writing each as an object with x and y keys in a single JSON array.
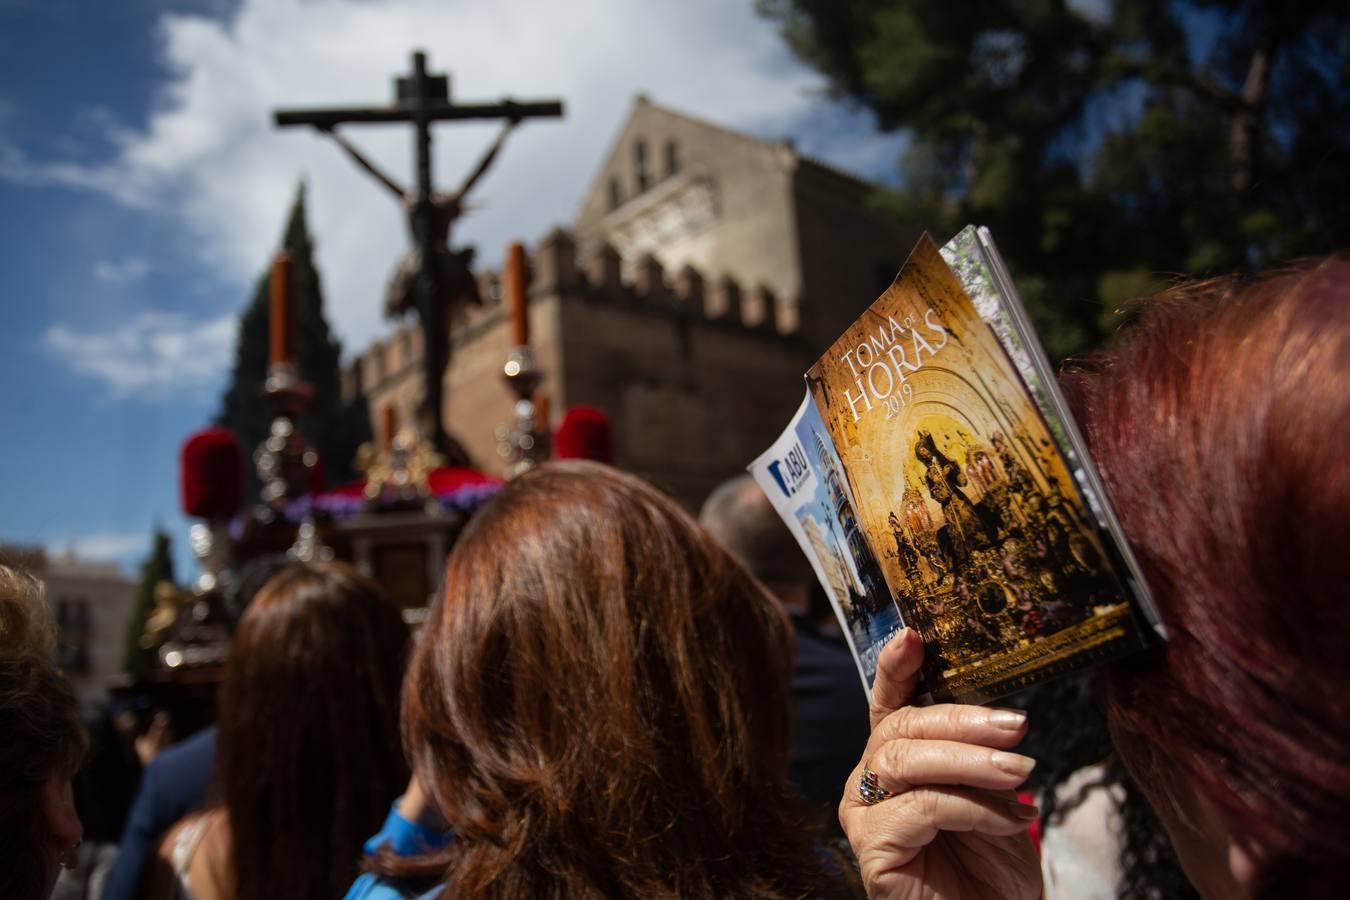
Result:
[
  {"x": 698, "y": 375},
  {"x": 724, "y": 209},
  {"x": 850, "y": 251}
]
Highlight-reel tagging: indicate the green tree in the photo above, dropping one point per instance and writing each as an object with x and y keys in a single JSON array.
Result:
[
  {"x": 334, "y": 428},
  {"x": 158, "y": 566},
  {"x": 1103, "y": 149}
]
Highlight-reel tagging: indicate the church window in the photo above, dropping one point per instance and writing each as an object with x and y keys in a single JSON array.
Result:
[
  {"x": 640, "y": 165},
  {"x": 672, "y": 158},
  {"x": 74, "y": 633},
  {"x": 615, "y": 194}
]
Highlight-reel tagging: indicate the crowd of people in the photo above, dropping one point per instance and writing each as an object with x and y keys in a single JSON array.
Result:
[{"x": 610, "y": 699}]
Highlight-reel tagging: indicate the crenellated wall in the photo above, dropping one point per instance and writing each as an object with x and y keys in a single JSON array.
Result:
[
  {"x": 556, "y": 268},
  {"x": 697, "y": 374}
]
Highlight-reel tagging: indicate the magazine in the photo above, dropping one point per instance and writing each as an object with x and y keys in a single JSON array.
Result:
[{"x": 935, "y": 479}]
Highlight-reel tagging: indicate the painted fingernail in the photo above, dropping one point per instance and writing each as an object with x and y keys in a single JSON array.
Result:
[
  {"x": 1013, "y": 763},
  {"x": 1009, "y": 719},
  {"x": 1025, "y": 811}
]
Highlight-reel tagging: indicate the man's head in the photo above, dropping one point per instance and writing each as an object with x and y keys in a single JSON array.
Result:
[{"x": 744, "y": 522}]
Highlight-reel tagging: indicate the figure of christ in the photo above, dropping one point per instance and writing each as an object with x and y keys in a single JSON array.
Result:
[
  {"x": 454, "y": 269},
  {"x": 944, "y": 480}
]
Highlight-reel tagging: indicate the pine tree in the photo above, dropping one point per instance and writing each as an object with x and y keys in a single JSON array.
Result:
[
  {"x": 1103, "y": 143},
  {"x": 335, "y": 429},
  {"x": 158, "y": 566}
]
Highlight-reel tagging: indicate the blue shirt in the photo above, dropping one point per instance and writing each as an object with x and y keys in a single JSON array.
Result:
[
  {"x": 830, "y": 726},
  {"x": 173, "y": 785},
  {"x": 404, "y": 838}
]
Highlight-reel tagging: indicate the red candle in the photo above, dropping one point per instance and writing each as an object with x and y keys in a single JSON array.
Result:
[
  {"x": 282, "y": 325},
  {"x": 516, "y": 307}
]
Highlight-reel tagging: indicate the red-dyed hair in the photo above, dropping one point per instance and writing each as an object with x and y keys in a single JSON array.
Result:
[{"x": 1222, "y": 428}]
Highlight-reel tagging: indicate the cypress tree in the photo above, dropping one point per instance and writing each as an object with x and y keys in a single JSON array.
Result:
[
  {"x": 334, "y": 428},
  {"x": 158, "y": 566}
]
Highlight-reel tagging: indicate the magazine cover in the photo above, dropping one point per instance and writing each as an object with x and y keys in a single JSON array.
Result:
[{"x": 943, "y": 490}]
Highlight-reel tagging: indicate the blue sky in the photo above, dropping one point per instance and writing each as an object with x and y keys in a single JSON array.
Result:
[{"x": 142, "y": 187}]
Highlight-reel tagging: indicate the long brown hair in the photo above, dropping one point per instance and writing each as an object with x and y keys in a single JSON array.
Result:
[
  {"x": 309, "y": 746},
  {"x": 40, "y": 736},
  {"x": 600, "y": 705},
  {"x": 1222, "y": 428}
]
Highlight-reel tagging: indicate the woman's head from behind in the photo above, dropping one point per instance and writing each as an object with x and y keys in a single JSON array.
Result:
[
  {"x": 600, "y": 702},
  {"x": 309, "y": 747},
  {"x": 41, "y": 745},
  {"x": 1222, "y": 428}
]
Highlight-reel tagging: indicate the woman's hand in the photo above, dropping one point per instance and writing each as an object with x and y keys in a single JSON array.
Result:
[{"x": 952, "y": 827}]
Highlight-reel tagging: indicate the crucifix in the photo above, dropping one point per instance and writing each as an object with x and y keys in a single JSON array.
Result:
[{"x": 432, "y": 279}]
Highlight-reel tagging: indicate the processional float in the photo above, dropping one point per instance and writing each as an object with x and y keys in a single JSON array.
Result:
[{"x": 397, "y": 523}]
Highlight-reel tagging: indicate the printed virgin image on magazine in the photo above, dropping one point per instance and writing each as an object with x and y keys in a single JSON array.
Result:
[{"x": 936, "y": 488}]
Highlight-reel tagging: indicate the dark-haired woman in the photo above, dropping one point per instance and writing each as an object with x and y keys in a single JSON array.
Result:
[
  {"x": 308, "y": 758},
  {"x": 599, "y": 707},
  {"x": 1221, "y": 426},
  {"x": 41, "y": 745}
]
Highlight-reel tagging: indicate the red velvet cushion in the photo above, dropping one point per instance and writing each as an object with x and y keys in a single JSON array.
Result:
[
  {"x": 584, "y": 433},
  {"x": 212, "y": 474}
]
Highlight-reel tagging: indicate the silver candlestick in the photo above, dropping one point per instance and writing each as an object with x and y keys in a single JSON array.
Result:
[
  {"x": 519, "y": 442},
  {"x": 284, "y": 460}
]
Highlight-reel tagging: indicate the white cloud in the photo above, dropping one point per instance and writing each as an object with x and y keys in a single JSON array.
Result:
[
  {"x": 17, "y": 168},
  {"x": 152, "y": 355},
  {"x": 101, "y": 546},
  {"x": 209, "y": 157},
  {"x": 121, "y": 271}
]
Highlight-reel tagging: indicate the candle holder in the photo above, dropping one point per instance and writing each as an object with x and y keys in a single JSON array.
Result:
[
  {"x": 518, "y": 442},
  {"x": 210, "y": 543},
  {"x": 284, "y": 461},
  {"x": 398, "y": 478},
  {"x": 309, "y": 545}
]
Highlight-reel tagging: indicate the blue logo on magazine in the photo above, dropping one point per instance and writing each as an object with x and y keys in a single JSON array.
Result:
[{"x": 792, "y": 473}]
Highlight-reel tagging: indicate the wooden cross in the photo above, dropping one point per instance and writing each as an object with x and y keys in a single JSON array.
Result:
[{"x": 422, "y": 98}]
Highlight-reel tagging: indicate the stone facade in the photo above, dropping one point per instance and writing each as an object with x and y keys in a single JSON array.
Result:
[
  {"x": 91, "y": 603},
  {"x": 725, "y": 203},
  {"x": 704, "y": 272}
]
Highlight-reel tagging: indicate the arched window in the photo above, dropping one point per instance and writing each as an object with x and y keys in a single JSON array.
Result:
[
  {"x": 672, "y": 158},
  {"x": 615, "y": 194},
  {"x": 640, "y": 165}
]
